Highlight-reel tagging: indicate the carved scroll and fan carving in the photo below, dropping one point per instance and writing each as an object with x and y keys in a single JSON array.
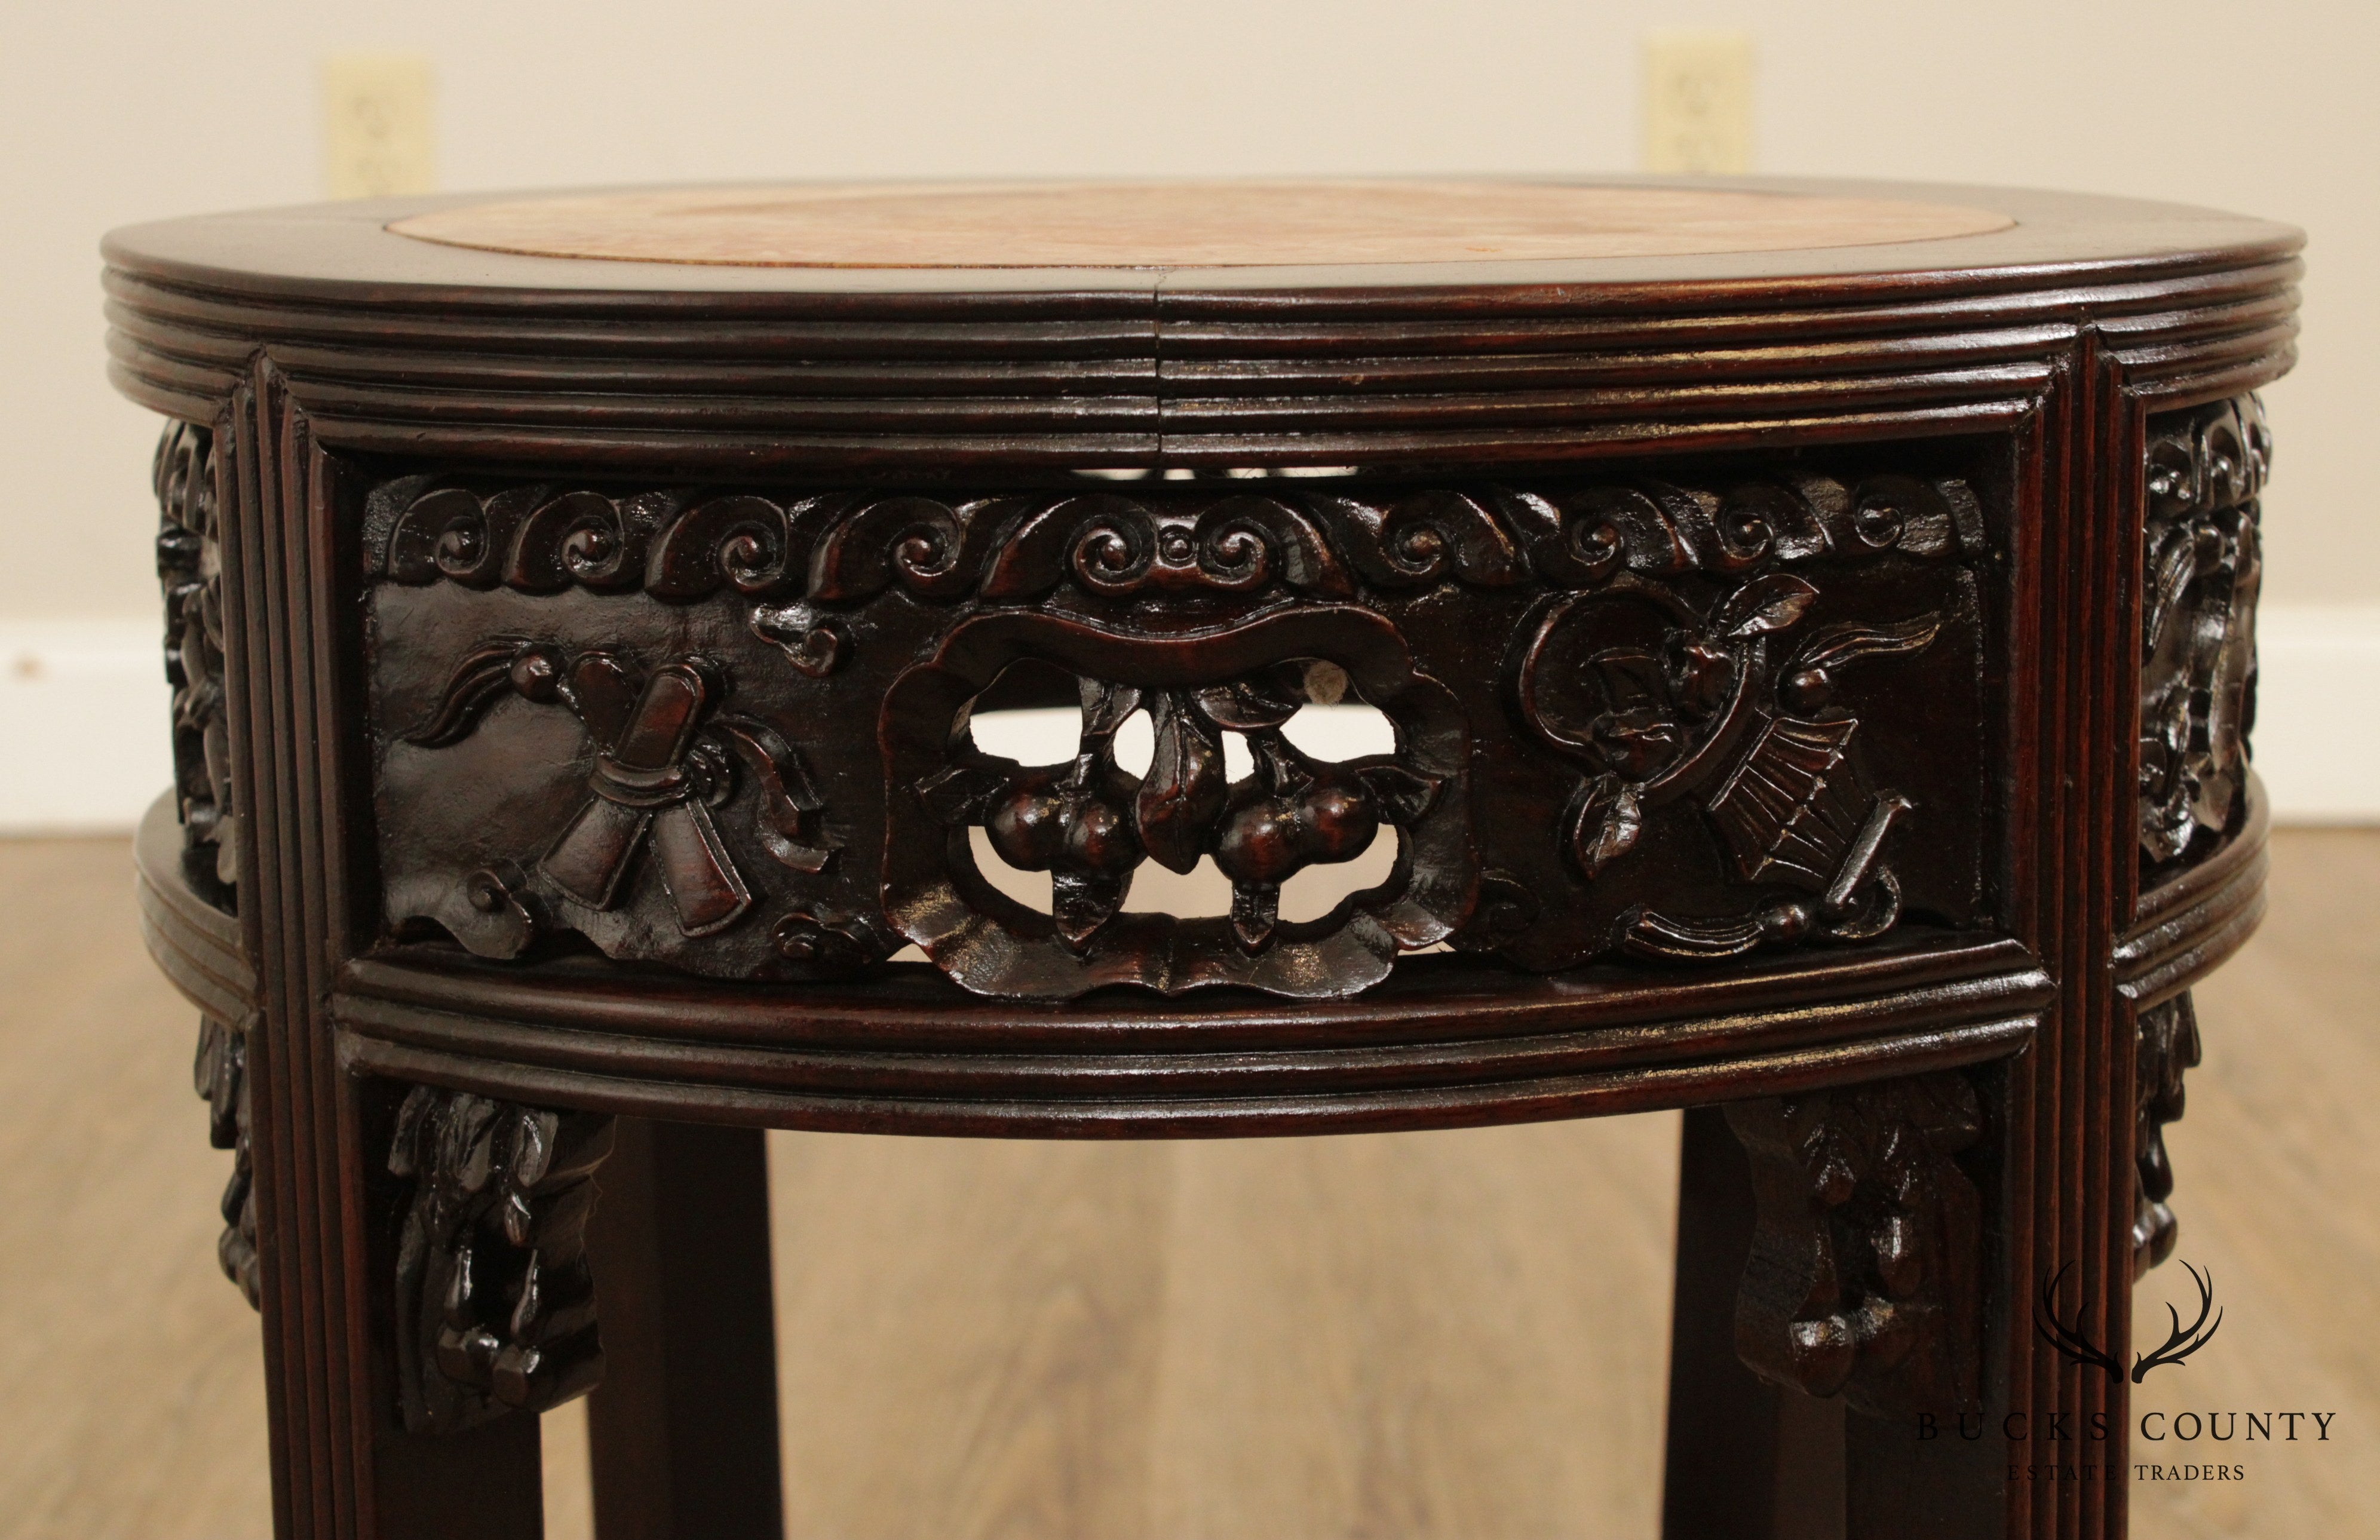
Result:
[
  {"x": 2202, "y": 570},
  {"x": 1691, "y": 667},
  {"x": 663, "y": 757},
  {"x": 1698, "y": 698}
]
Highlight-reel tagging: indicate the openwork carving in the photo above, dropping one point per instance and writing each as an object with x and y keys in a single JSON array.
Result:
[
  {"x": 2166, "y": 1046},
  {"x": 1089, "y": 824},
  {"x": 220, "y": 1074},
  {"x": 495, "y": 1308},
  {"x": 1697, "y": 695},
  {"x": 1864, "y": 1274},
  {"x": 190, "y": 570},
  {"x": 2198, "y": 629}
]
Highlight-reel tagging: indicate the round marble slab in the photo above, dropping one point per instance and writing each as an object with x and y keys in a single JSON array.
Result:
[{"x": 1166, "y": 224}]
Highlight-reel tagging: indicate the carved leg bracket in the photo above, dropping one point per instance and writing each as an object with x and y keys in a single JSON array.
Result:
[
  {"x": 495, "y": 1307},
  {"x": 1863, "y": 1278},
  {"x": 2167, "y": 1046},
  {"x": 221, "y": 1075}
]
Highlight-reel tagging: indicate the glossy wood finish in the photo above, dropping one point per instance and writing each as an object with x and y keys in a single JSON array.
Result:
[
  {"x": 2069, "y": 358},
  {"x": 1746, "y": 1458},
  {"x": 395, "y": 344},
  {"x": 1214, "y": 1337},
  {"x": 682, "y": 1431}
]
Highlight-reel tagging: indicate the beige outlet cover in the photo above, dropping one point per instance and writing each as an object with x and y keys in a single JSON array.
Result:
[{"x": 1161, "y": 225}]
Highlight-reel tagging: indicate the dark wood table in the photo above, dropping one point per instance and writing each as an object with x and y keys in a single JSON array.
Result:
[{"x": 1804, "y": 632}]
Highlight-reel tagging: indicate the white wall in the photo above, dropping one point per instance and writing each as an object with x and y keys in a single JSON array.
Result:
[{"x": 118, "y": 110}]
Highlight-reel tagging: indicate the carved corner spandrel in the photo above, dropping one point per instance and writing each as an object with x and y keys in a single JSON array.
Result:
[
  {"x": 494, "y": 1303},
  {"x": 2165, "y": 1048},
  {"x": 1865, "y": 1274},
  {"x": 220, "y": 1074}
]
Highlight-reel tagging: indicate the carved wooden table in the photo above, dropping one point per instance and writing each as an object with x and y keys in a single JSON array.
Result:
[{"x": 1807, "y": 628}]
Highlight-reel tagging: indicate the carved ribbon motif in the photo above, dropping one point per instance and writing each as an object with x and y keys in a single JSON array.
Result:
[
  {"x": 2165, "y": 1045},
  {"x": 2198, "y": 644},
  {"x": 663, "y": 759},
  {"x": 495, "y": 1307},
  {"x": 1864, "y": 1273}
]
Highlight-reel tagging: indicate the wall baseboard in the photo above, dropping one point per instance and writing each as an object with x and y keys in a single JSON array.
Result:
[{"x": 84, "y": 706}]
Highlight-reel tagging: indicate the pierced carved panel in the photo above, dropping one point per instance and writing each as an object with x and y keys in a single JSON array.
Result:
[
  {"x": 1864, "y": 1277},
  {"x": 1674, "y": 718},
  {"x": 494, "y": 1304},
  {"x": 1090, "y": 823},
  {"x": 2201, "y": 569}
]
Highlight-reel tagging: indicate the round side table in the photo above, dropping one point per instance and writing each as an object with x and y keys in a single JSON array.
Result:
[{"x": 1777, "y": 649}]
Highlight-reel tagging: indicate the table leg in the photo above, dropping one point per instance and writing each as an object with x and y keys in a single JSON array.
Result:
[
  {"x": 476, "y": 1214},
  {"x": 682, "y": 1430},
  {"x": 1746, "y": 1460},
  {"x": 1840, "y": 1348},
  {"x": 480, "y": 1484}
]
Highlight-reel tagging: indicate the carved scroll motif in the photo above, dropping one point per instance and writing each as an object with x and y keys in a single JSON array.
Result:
[
  {"x": 1863, "y": 1279},
  {"x": 841, "y": 548},
  {"x": 2166, "y": 1046},
  {"x": 495, "y": 1309},
  {"x": 2198, "y": 628}
]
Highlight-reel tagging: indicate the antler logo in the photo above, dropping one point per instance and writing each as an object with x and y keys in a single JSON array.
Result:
[{"x": 2071, "y": 1340}]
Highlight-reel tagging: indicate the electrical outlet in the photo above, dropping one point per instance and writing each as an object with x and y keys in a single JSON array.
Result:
[
  {"x": 1698, "y": 101},
  {"x": 376, "y": 138}
]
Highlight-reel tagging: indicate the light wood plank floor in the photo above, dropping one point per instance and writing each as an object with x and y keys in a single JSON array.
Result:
[{"x": 1455, "y": 1335}]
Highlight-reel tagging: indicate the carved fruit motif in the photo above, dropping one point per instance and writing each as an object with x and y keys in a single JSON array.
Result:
[{"x": 1090, "y": 823}]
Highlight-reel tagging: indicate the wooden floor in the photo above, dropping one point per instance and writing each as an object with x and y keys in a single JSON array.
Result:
[{"x": 1455, "y": 1335}]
